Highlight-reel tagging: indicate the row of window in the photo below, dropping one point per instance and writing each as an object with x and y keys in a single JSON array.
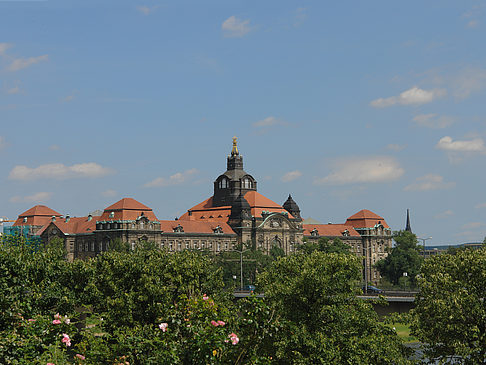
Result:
[
  {"x": 246, "y": 183},
  {"x": 171, "y": 245},
  {"x": 141, "y": 225}
]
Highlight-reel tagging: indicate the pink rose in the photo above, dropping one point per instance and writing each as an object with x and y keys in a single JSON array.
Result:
[
  {"x": 66, "y": 340},
  {"x": 57, "y": 316},
  {"x": 214, "y": 323},
  {"x": 234, "y": 338},
  {"x": 221, "y": 323},
  {"x": 163, "y": 326},
  {"x": 79, "y": 356},
  {"x": 205, "y": 297},
  {"x": 56, "y": 321}
]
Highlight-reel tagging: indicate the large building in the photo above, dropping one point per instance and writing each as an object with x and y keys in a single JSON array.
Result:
[{"x": 235, "y": 213}]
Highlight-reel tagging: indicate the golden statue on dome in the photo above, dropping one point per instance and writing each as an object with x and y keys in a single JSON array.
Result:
[{"x": 234, "y": 151}]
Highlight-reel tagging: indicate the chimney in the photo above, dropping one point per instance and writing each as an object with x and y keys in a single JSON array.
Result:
[{"x": 90, "y": 217}]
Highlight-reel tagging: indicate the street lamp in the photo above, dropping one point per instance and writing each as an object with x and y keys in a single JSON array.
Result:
[
  {"x": 241, "y": 265},
  {"x": 423, "y": 240}
]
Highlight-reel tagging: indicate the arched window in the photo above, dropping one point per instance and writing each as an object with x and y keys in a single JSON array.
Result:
[
  {"x": 223, "y": 183},
  {"x": 246, "y": 184}
]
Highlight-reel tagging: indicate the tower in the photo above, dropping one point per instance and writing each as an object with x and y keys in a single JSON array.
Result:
[
  {"x": 408, "y": 228},
  {"x": 291, "y": 206},
  {"x": 234, "y": 181}
]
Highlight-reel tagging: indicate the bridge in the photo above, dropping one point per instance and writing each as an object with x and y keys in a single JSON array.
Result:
[{"x": 398, "y": 301}]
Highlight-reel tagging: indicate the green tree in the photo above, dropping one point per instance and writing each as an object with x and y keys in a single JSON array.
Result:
[
  {"x": 322, "y": 320},
  {"x": 403, "y": 258},
  {"x": 324, "y": 244},
  {"x": 450, "y": 313}
]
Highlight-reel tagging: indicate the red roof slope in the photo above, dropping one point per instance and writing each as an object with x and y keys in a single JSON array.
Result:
[
  {"x": 365, "y": 219},
  {"x": 127, "y": 209},
  {"x": 36, "y": 216},
  {"x": 206, "y": 212},
  {"x": 330, "y": 230},
  {"x": 74, "y": 225}
]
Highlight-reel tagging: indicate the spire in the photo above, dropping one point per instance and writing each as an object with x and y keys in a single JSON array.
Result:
[
  {"x": 234, "y": 151},
  {"x": 408, "y": 228}
]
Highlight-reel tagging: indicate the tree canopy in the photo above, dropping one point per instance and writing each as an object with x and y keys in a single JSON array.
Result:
[
  {"x": 403, "y": 258},
  {"x": 450, "y": 313},
  {"x": 323, "y": 321}
]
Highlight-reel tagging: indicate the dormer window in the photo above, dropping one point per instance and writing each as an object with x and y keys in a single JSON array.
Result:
[
  {"x": 223, "y": 183},
  {"x": 178, "y": 229},
  {"x": 246, "y": 183},
  {"x": 314, "y": 232},
  {"x": 218, "y": 230},
  {"x": 112, "y": 215},
  {"x": 346, "y": 233}
]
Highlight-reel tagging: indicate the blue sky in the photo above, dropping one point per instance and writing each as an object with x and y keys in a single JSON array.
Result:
[{"x": 356, "y": 105}]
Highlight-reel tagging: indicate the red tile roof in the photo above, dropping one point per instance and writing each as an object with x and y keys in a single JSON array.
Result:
[
  {"x": 330, "y": 230},
  {"x": 365, "y": 219},
  {"x": 36, "y": 216},
  {"x": 74, "y": 225},
  {"x": 127, "y": 209},
  {"x": 190, "y": 226},
  {"x": 128, "y": 204},
  {"x": 258, "y": 204}
]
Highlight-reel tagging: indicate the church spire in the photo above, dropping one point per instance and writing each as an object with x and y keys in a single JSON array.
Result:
[{"x": 408, "y": 228}]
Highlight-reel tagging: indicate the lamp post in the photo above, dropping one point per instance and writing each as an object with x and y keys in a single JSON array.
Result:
[
  {"x": 423, "y": 240},
  {"x": 241, "y": 265}
]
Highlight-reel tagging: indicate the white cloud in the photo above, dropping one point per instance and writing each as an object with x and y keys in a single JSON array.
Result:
[
  {"x": 35, "y": 198},
  {"x": 269, "y": 122},
  {"x": 474, "y": 145},
  {"x": 109, "y": 193},
  {"x": 473, "y": 225},
  {"x": 176, "y": 179},
  {"x": 69, "y": 98},
  {"x": 291, "y": 175},
  {"x": 235, "y": 28},
  {"x": 429, "y": 182},
  {"x": 413, "y": 96},
  {"x": 469, "y": 80},
  {"x": 363, "y": 170},
  {"x": 21, "y": 63},
  {"x": 4, "y": 47},
  {"x": 14, "y": 90},
  {"x": 432, "y": 120},
  {"x": 145, "y": 10},
  {"x": 59, "y": 171},
  {"x": 300, "y": 16},
  {"x": 396, "y": 147},
  {"x": 445, "y": 214}
]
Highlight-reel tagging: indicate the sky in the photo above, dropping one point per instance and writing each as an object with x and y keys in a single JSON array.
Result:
[{"x": 347, "y": 105}]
